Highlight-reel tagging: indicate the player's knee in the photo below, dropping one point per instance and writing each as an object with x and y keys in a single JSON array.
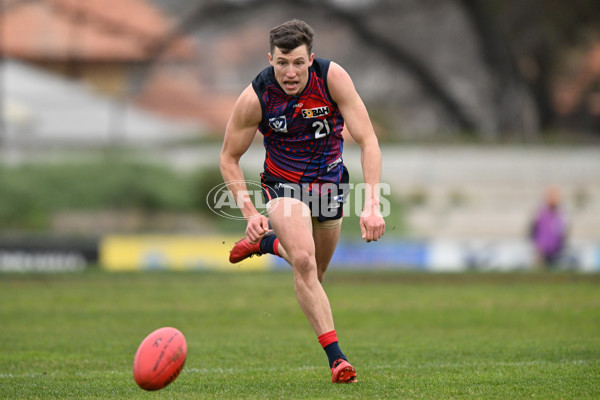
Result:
[{"x": 304, "y": 263}]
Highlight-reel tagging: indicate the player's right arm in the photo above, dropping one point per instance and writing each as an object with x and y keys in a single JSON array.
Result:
[{"x": 239, "y": 133}]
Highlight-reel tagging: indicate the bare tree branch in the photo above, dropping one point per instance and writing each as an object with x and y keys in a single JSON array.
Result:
[
  {"x": 502, "y": 66},
  {"x": 213, "y": 10},
  {"x": 403, "y": 59}
]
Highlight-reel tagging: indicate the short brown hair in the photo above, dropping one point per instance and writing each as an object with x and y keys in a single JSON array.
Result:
[{"x": 291, "y": 34}]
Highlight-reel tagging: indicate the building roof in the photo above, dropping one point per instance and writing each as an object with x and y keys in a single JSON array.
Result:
[
  {"x": 183, "y": 97},
  {"x": 41, "y": 108},
  {"x": 90, "y": 30}
]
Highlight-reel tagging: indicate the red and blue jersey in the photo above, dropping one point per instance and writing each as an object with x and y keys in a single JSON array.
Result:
[{"x": 302, "y": 134}]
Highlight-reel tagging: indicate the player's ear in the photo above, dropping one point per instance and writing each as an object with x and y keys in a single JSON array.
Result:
[
  {"x": 270, "y": 57},
  {"x": 311, "y": 58}
]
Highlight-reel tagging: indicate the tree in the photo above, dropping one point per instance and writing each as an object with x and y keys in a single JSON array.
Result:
[{"x": 538, "y": 34}]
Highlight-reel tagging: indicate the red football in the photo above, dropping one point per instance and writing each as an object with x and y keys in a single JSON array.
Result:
[{"x": 159, "y": 359}]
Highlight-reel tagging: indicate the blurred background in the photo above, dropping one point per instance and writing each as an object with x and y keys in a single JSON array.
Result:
[{"x": 113, "y": 113}]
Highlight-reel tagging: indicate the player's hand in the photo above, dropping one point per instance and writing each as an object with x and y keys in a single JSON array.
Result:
[
  {"x": 372, "y": 224},
  {"x": 257, "y": 226}
]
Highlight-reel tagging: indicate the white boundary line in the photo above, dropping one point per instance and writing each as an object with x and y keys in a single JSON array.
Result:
[{"x": 228, "y": 371}]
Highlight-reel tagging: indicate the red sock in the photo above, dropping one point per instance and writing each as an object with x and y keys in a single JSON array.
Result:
[{"x": 327, "y": 338}]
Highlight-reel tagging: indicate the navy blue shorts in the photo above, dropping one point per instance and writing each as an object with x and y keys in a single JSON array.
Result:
[{"x": 325, "y": 201}]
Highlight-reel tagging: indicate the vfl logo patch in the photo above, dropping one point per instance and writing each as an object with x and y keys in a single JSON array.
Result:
[
  {"x": 315, "y": 112},
  {"x": 278, "y": 124}
]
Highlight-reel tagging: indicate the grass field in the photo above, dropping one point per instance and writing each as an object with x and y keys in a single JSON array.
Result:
[{"x": 503, "y": 336}]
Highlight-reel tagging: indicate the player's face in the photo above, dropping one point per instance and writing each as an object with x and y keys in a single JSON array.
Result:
[{"x": 291, "y": 69}]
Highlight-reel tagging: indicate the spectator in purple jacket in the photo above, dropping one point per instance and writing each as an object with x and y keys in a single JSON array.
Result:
[{"x": 548, "y": 230}]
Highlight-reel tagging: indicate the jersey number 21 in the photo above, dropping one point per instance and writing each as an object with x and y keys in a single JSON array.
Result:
[{"x": 321, "y": 128}]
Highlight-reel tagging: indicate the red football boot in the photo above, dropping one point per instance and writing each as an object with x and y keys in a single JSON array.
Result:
[
  {"x": 243, "y": 249},
  {"x": 343, "y": 372}
]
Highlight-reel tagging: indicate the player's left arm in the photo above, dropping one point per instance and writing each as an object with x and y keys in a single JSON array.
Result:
[{"x": 360, "y": 128}]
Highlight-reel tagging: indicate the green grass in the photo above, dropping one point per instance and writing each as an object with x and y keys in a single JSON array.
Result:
[{"x": 503, "y": 336}]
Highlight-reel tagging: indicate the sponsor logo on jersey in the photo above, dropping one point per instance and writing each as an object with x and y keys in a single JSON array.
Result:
[
  {"x": 315, "y": 112},
  {"x": 334, "y": 164},
  {"x": 278, "y": 124}
]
